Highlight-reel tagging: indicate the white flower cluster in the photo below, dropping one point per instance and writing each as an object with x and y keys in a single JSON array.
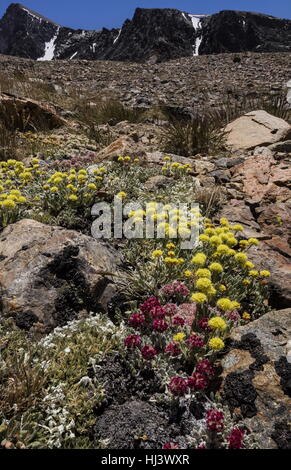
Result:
[{"x": 59, "y": 425}]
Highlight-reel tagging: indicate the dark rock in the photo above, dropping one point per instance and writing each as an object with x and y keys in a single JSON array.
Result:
[
  {"x": 238, "y": 31},
  {"x": 256, "y": 377},
  {"x": 52, "y": 290},
  {"x": 135, "y": 424}
]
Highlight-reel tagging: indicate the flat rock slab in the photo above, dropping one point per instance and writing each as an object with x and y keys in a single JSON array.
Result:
[
  {"x": 257, "y": 128},
  {"x": 50, "y": 275}
]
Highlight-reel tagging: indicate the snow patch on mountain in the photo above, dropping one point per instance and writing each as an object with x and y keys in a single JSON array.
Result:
[
  {"x": 196, "y": 21},
  {"x": 50, "y": 48},
  {"x": 31, "y": 14},
  {"x": 117, "y": 37}
]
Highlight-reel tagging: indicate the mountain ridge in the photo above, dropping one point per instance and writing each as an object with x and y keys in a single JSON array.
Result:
[{"x": 152, "y": 35}]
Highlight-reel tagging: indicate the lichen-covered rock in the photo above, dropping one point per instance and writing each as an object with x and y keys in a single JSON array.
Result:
[
  {"x": 134, "y": 424},
  {"x": 50, "y": 275},
  {"x": 257, "y": 377}
]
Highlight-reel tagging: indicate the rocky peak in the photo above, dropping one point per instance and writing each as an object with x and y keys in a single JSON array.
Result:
[
  {"x": 239, "y": 31},
  {"x": 17, "y": 9}
]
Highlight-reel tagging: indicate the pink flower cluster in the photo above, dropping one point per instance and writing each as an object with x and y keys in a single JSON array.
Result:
[
  {"x": 75, "y": 161},
  {"x": 176, "y": 290}
]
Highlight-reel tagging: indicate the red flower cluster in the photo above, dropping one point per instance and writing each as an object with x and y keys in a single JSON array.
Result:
[
  {"x": 132, "y": 341},
  {"x": 215, "y": 420},
  {"x": 195, "y": 341},
  {"x": 173, "y": 349},
  {"x": 178, "y": 386},
  {"x": 148, "y": 352},
  {"x": 235, "y": 439},
  {"x": 157, "y": 312},
  {"x": 171, "y": 445},
  {"x": 197, "y": 382},
  {"x": 149, "y": 304},
  {"x": 177, "y": 320},
  {"x": 203, "y": 324},
  {"x": 160, "y": 325},
  {"x": 136, "y": 320},
  {"x": 205, "y": 367}
]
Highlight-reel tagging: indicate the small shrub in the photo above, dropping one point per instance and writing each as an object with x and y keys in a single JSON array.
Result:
[
  {"x": 109, "y": 112},
  {"x": 202, "y": 134},
  {"x": 8, "y": 143}
]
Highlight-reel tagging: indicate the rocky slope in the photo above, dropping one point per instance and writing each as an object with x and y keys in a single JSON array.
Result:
[
  {"x": 153, "y": 35},
  {"x": 181, "y": 84}
]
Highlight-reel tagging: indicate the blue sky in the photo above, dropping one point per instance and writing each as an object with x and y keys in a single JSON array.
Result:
[{"x": 94, "y": 14}]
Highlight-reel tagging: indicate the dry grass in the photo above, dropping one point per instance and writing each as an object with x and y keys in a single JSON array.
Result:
[{"x": 21, "y": 383}]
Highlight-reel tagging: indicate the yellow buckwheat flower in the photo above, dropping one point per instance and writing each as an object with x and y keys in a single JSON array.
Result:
[
  {"x": 91, "y": 186},
  {"x": 235, "y": 305},
  {"x": 249, "y": 265},
  {"x": 216, "y": 267},
  {"x": 203, "y": 283},
  {"x": 170, "y": 246},
  {"x": 157, "y": 253},
  {"x": 8, "y": 204},
  {"x": 188, "y": 273},
  {"x": 224, "y": 221},
  {"x": 216, "y": 343},
  {"x": 199, "y": 298},
  {"x": 253, "y": 241},
  {"x": 237, "y": 228},
  {"x": 179, "y": 337},
  {"x": 121, "y": 195},
  {"x": 224, "y": 304},
  {"x": 254, "y": 273},
  {"x": 218, "y": 323},
  {"x": 265, "y": 273},
  {"x": 204, "y": 238},
  {"x": 202, "y": 272},
  {"x": 223, "y": 249},
  {"x": 241, "y": 257},
  {"x": 199, "y": 259},
  {"x": 246, "y": 316}
]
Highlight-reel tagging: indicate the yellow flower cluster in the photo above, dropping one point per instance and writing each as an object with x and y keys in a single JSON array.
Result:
[
  {"x": 217, "y": 323},
  {"x": 14, "y": 178},
  {"x": 35, "y": 138},
  {"x": 212, "y": 277},
  {"x": 168, "y": 220},
  {"x": 174, "y": 168},
  {"x": 127, "y": 160},
  {"x": 73, "y": 185},
  {"x": 20, "y": 185}
]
